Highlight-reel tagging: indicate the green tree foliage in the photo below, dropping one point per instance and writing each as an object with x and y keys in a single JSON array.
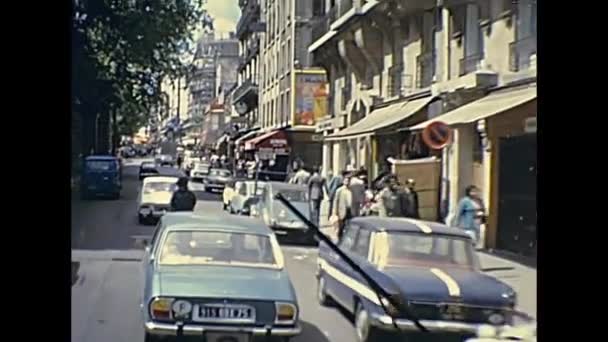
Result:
[{"x": 121, "y": 49}]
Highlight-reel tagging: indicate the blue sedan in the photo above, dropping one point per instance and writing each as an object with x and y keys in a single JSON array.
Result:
[
  {"x": 433, "y": 266},
  {"x": 217, "y": 279}
]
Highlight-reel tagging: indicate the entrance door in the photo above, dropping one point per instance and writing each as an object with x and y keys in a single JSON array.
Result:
[{"x": 517, "y": 195}]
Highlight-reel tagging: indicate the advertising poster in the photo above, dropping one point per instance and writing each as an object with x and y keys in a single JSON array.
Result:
[{"x": 311, "y": 98}]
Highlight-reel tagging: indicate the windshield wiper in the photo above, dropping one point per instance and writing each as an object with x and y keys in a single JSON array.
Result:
[{"x": 395, "y": 299}]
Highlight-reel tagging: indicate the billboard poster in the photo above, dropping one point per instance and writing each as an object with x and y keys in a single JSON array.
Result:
[{"x": 311, "y": 98}]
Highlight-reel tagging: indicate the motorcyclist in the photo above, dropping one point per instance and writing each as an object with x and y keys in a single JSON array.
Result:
[{"x": 183, "y": 199}]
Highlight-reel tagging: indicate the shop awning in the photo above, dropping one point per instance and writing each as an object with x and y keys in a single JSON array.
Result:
[
  {"x": 381, "y": 118},
  {"x": 245, "y": 137},
  {"x": 492, "y": 104},
  {"x": 274, "y": 139}
]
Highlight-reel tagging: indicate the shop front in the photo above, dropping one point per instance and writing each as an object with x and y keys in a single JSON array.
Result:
[
  {"x": 271, "y": 151},
  {"x": 494, "y": 148}
]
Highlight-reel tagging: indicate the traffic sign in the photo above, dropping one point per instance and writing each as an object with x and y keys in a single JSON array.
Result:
[{"x": 437, "y": 135}]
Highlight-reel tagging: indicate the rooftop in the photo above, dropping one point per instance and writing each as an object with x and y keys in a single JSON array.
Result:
[{"x": 201, "y": 221}]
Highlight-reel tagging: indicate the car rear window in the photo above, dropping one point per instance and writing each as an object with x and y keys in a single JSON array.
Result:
[
  {"x": 160, "y": 187},
  {"x": 101, "y": 165},
  {"x": 208, "y": 247}
]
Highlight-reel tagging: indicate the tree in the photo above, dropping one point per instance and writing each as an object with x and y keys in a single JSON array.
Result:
[{"x": 121, "y": 49}]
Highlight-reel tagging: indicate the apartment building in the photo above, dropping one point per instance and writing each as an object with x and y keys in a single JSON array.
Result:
[
  {"x": 395, "y": 66},
  {"x": 293, "y": 93}
]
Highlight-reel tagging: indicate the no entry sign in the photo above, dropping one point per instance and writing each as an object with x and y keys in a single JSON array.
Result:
[{"x": 437, "y": 135}]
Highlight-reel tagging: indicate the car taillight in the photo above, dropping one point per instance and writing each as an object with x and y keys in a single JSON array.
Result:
[{"x": 160, "y": 308}]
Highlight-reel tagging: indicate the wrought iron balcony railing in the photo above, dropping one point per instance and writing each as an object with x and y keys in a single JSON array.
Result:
[
  {"x": 245, "y": 87},
  {"x": 520, "y": 52},
  {"x": 470, "y": 64},
  {"x": 249, "y": 15},
  {"x": 425, "y": 69}
]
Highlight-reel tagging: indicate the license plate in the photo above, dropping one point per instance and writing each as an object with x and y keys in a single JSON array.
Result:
[
  {"x": 224, "y": 313},
  {"x": 227, "y": 337}
]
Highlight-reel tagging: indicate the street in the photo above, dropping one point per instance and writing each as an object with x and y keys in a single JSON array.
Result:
[{"x": 106, "y": 293}]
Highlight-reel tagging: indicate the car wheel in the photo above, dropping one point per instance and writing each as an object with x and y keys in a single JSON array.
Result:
[
  {"x": 365, "y": 331},
  {"x": 322, "y": 297}
]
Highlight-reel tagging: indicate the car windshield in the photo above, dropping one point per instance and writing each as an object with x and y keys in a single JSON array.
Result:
[
  {"x": 210, "y": 247},
  {"x": 220, "y": 173},
  {"x": 398, "y": 249},
  {"x": 148, "y": 166},
  {"x": 292, "y": 195},
  {"x": 160, "y": 187},
  {"x": 101, "y": 165}
]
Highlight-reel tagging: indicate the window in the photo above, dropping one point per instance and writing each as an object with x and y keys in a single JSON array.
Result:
[
  {"x": 348, "y": 239},
  {"x": 101, "y": 165},
  {"x": 318, "y": 8},
  {"x": 362, "y": 246},
  {"x": 209, "y": 247}
]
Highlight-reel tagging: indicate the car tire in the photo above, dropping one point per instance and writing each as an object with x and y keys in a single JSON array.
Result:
[
  {"x": 364, "y": 331},
  {"x": 322, "y": 297}
]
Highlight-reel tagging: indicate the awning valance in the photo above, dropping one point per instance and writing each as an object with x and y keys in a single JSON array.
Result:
[
  {"x": 492, "y": 104},
  {"x": 245, "y": 137},
  {"x": 274, "y": 139},
  {"x": 381, "y": 118}
]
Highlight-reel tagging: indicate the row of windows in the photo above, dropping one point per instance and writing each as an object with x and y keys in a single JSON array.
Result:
[
  {"x": 277, "y": 63},
  {"x": 277, "y": 111}
]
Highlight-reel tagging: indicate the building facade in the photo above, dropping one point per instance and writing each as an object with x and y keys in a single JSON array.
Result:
[
  {"x": 395, "y": 66},
  {"x": 291, "y": 90}
]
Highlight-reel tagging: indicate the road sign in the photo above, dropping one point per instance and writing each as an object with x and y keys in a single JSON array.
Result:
[{"x": 437, "y": 135}]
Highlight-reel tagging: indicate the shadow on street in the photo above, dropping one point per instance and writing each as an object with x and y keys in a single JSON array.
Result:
[{"x": 310, "y": 333}]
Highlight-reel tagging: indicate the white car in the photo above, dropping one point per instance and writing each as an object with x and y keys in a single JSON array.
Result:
[
  {"x": 244, "y": 191},
  {"x": 155, "y": 198},
  {"x": 200, "y": 172}
]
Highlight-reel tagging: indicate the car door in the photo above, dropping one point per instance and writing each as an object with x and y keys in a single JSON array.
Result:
[
  {"x": 339, "y": 283},
  {"x": 360, "y": 255}
]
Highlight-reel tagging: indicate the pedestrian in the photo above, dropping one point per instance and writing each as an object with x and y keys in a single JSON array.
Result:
[
  {"x": 316, "y": 192},
  {"x": 342, "y": 208},
  {"x": 334, "y": 183},
  {"x": 180, "y": 160},
  {"x": 470, "y": 213},
  {"x": 301, "y": 177},
  {"x": 394, "y": 202},
  {"x": 413, "y": 211},
  {"x": 183, "y": 199},
  {"x": 357, "y": 188}
]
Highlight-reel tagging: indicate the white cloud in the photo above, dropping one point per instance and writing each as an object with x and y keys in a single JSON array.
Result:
[{"x": 225, "y": 14}]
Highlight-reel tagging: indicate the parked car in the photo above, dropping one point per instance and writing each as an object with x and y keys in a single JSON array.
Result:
[
  {"x": 155, "y": 198},
  {"x": 217, "y": 179},
  {"x": 147, "y": 169},
  {"x": 165, "y": 160},
  {"x": 243, "y": 191},
  {"x": 222, "y": 278},
  {"x": 434, "y": 267},
  {"x": 278, "y": 217},
  {"x": 101, "y": 176},
  {"x": 200, "y": 172}
]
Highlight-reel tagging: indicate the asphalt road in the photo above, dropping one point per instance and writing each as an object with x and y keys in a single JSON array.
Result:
[{"x": 105, "y": 295}]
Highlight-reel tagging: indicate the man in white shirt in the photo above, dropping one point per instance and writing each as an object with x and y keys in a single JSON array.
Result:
[{"x": 343, "y": 204}]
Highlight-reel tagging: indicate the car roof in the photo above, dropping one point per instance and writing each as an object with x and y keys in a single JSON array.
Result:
[
  {"x": 398, "y": 224},
  {"x": 285, "y": 186},
  {"x": 200, "y": 221},
  {"x": 160, "y": 179},
  {"x": 100, "y": 157}
]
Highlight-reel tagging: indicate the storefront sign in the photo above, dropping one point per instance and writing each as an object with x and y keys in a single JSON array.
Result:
[
  {"x": 329, "y": 123},
  {"x": 311, "y": 98},
  {"x": 278, "y": 142},
  {"x": 530, "y": 125}
]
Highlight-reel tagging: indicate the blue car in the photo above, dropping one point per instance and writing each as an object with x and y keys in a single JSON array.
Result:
[
  {"x": 101, "y": 176},
  {"x": 216, "y": 278},
  {"x": 434, "y": 267}
]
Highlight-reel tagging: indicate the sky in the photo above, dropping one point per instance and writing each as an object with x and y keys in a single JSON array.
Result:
[{"x": 225, "y": 14}]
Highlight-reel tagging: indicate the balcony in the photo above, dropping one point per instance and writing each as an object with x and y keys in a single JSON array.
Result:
[
  {"x": 399, "y": 82},
  {"x": 247, "y": 91},
  {"x": 520, "y": 52},
  {"x": 322, "y": 23},
  {"x": 345, "y": 6},
  {"x": 470, "y": 64},
  {"x": 250, "y": 14},
  {"x": 424, "y": 70}
]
